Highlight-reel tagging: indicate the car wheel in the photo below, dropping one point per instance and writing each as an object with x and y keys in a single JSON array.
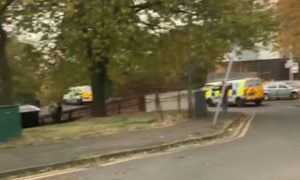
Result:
[
  {"x": 267, "y": 97},
  {"x": 210, "y": 103},
  {"x": 239, "y": 102},
  {"x": 294, "y": 95},
  {"x": 258, "y": 103},
  {"x": 79, "y": 102}
]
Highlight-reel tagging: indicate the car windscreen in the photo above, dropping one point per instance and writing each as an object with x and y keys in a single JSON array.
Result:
[{"x": 253, "y": 83}]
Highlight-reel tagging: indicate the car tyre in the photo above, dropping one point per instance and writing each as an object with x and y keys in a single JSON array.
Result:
[
  {"x": 210, "y": 103},
  {"x": 240, "y": 102},
  {"x": 258, "y": 103},
  {"x": 267, "y": 97},
  {"x": 79, "y": 102},
  {"x": 294, "y": 96}
]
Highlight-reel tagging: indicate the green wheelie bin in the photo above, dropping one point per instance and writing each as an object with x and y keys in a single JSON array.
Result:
[{"x": 10, "y": 122}]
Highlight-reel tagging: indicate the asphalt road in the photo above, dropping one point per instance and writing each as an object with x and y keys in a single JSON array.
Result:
[{"x": 269, "y": 151}]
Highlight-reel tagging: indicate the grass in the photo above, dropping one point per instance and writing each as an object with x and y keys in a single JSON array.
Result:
[{"x": 91, "y": 127}]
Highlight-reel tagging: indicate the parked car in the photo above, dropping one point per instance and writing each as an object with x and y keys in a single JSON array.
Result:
[
  {"x": 78, "y": 95},
  {"x": 280, "y": 90}
]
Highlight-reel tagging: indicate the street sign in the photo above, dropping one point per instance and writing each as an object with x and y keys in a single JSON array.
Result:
[
  {"x": 295, "y": 68},
  {"x": 288, "y": 64}
]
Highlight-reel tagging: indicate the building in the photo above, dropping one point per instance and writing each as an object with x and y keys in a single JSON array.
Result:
[
  {"x": 267, "y": 69},
  {"x": 266, "y": 63}
]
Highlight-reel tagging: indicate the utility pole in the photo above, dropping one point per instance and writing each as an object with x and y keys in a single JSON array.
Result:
[
  {"x": 190, "y": 69},
  {"x": 157, "y": 100},
  {"x": 291, "y": 62},
  {"x": 190, "y": 89},
  {"x": 228, "y": 71}
]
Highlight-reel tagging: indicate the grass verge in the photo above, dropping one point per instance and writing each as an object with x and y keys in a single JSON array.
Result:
[
  {"x": 92, "y": 127},
  {"x": 228, "y": 130}
]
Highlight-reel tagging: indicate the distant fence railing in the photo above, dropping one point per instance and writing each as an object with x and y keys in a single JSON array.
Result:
[
  {"x": 175, "y": 100},
  {"x": 115, "y": 107}
]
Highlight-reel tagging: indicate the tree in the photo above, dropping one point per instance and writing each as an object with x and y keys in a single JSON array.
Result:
[
  {"x": 100, "y": 32},
  {"x": 103, "y": 32},
  {"x": 24, "y": 63},
  {"x": 289, "y": 31},
  {"x": 213, "y": 28},
  {"x": 5, "y": 74},
  {"x": 17, "y": 17}
]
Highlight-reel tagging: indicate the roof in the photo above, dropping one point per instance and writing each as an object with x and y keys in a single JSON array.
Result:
[
  {"x": 260, "y": 52},
  {"x": 28, "y": 108},
  {"x": 232, "y": 79}
]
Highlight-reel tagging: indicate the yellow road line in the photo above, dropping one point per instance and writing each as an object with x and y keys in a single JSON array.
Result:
[
  {"x": 242, "y": 133},
  {"x": 246, "y": 128},
  {"x": 50, "y": 174},
  {"x": 120, "y": 161}
]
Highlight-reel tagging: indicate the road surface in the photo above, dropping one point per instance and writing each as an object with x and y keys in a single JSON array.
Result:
[{"x": 269, "y": 151}]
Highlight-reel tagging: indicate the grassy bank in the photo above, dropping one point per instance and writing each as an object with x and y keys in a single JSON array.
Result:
[{"x": 91, "y": 127}]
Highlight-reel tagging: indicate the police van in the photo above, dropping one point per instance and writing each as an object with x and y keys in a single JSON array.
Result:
[
  {"x": 241, "y": 91},
  {"x": 78, "y": 95}
]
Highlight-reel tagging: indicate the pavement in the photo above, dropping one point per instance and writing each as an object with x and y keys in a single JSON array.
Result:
[
  {"x": 48, "y": 155},
  {"x": 269, "y": 151}
]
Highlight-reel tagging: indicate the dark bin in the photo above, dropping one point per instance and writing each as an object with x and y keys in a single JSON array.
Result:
[
  {"x": 200, "y": 104},
  {"x": 10, "y": 122},
  {"x": 29, "y": 116}
]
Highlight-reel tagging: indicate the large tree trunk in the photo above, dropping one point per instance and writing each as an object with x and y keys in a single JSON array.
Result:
[
  {"x": 98, "y": 72},
  {"x": 98, "y": 80},
  {"x": 5, "y": 75}
]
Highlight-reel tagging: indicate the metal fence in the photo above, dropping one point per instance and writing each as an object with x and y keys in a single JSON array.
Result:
[
  {"x": 175, "y": 100},
  {"x": 115, "y": 107}
]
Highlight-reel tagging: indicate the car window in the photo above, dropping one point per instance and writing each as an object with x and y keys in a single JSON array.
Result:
[
  {"x": 216, "y": 88},
  {"x": 235, "y": 85},
  {"x": 290, "y": 83},
  {"x": 253, "y": 83},
  {"x": 283, "y": 86},
  {"x": 272, "y": 86}
]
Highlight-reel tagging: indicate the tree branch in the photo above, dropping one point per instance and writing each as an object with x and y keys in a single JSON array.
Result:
[
  {"x": 146, "y": 5},
  {"x": 5, "y": 5}
]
